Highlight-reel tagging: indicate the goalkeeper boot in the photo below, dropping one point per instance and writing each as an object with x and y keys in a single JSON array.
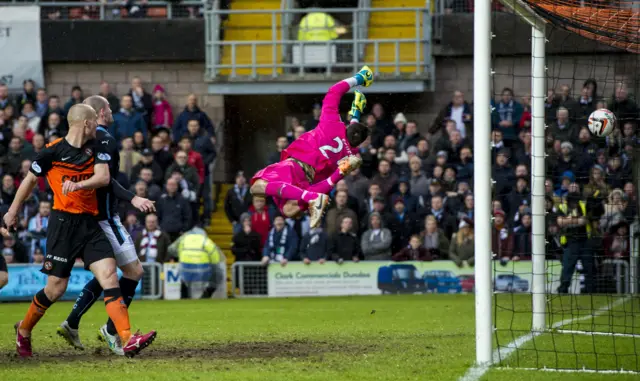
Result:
[
  {"x": 365, "y": 76},
  {"x": 349, "y": 164},
  {"x": 316, "y": 209}
]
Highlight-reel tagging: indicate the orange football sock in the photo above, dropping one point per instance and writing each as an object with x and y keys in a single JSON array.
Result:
[
  {"x": 38, "y": 307},
  {"x": 117, "y": 311}
]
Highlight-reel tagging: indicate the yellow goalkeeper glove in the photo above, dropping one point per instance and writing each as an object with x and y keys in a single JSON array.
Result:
[
  {"x": 365, "y": 76},
  {"x": 358, "y": 105}
]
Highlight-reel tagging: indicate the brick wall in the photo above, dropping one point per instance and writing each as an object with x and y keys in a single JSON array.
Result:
[{"x": 178, "y": 79}]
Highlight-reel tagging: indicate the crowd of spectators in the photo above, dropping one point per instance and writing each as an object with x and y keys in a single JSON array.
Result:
[
  {"x": 167, "y": 160},
  {"x": 412, "y": 198}
]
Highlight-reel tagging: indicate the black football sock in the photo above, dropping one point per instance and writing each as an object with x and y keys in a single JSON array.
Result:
[
  {"x": 128, "y": 289},
  {"x": 90, "y": 293}
]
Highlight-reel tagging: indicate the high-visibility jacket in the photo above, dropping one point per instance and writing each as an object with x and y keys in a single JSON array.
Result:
[
  {"x": 317, "y": 26},
  {"x": 583, "y": 207},
  {"x": 198, "y": 255}
]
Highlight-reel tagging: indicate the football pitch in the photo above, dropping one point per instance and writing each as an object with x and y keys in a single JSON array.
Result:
[{"x": 413, "y": 337}]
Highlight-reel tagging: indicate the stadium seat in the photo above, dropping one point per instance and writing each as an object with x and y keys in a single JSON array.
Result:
[
  {"x": 252, "y": 27},
  {"x": 393, "y": 25}
]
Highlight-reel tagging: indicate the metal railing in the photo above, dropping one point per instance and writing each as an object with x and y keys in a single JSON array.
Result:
[
  {"x": 349, "y": 51},
  {"x": 110, "y": 10}
]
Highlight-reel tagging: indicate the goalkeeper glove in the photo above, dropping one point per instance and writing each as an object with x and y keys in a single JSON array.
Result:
[
  {"x": 364, "y": 76},
  {"x": 357, "y": 106}
]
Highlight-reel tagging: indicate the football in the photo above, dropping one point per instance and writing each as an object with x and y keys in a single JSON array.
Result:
[{"x": 602, "y": 122}]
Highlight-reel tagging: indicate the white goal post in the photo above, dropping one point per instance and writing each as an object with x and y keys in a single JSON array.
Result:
[{"x": 482, "y": 77}]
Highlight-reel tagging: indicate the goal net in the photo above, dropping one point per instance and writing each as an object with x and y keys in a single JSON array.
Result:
[{"x": 579, "y": 310}]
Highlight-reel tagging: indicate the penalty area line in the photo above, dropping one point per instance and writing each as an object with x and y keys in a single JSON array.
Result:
[{"x": 476, "y": 372}]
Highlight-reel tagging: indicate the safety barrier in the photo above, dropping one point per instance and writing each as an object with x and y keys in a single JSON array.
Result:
[
  {"x": 397, "y": 57},
  {"x": 25, "y": 280}
]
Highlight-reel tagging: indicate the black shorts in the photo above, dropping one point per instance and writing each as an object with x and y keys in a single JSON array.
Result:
[
  {"x": 3, "y": 264},
  {"x": 71, "y": 236}
]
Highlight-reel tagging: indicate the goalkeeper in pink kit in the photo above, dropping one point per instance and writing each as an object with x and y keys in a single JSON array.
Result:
[{"x": 320, "y": 157}]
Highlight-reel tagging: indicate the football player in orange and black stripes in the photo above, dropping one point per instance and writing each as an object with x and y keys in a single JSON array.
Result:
[{"x": 73, "y": 230}]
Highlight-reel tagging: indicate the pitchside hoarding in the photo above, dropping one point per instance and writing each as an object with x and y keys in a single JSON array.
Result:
[
  {"x": 380, "y": 277},
  {"x": 26, "y": 280}
]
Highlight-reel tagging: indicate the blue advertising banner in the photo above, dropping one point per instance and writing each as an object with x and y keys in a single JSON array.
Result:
[{"x": 26, "y": 280}]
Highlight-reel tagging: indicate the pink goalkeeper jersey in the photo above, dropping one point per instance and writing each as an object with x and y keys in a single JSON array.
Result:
[{"x": 323, "y": 147}]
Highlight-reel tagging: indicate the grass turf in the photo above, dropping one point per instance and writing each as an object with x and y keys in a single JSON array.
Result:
[{"x": 414, "y": 337}]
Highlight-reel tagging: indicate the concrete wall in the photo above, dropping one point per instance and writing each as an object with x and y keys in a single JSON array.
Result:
[{"x": 178, "y": 79}]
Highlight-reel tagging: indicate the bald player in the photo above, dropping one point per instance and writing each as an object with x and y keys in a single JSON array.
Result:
[
  {"x": 73, "y": 230},
  {"x": 120, "y": 240}
]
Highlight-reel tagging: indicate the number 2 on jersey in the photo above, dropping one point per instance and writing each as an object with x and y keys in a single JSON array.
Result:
[{"x": 331, "y": 148}]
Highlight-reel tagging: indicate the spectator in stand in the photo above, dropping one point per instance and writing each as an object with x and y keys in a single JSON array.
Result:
[
  {"x": 15, "y": 250},
  {"x": 41, "y": 104},
  {"x": 154, "y": 191},
  {"x": 462, "y": 244},
  {"x": 246, "y": 242},
  {"x": 411, "y": 138},
  {"x": 597, "y": 186},
  {"x": 237, "y": 201},
  {"x": 174, "y": 211},
  {"x": 522, "y": 247},
  {"x": 616, "y": 176},
  {"x": 160, "y": 154},
  {"x": 38, "y": 255},
  {"x": 141, "y": 101},
  {"x": 181, "y": 165},
  {"x": 189, "y": 191},
  {"x": 411, "y": 202},
  {"x": 105, "y": 91},
  {"x": 506, "y": 116},
  {"x": 312, "y": 123},
  {"x": 418, "y": 182},
  {"x": 502, "y": 240},
  {"x": 162, "y": 113},
  {"x": 281, "y": 245},
  {"x": 357, "y": 184},
  {"x": 132, "y": 225},
  {"x": 16, "y": 155},
  {"x": 523, "y": 153},
  {"x": 315, "y": 246},
  {"x": 152, "y": 245},
  {"x": 281, "y": 144},
  {"x": 502, "y": 174},
  {"x": 414, "y": 251},
  {"x": 467, "y": 207},
  {"x": 76, "y": 97},
  {"x": 369, "y": 156},
  {"x": 434, "y": 240},
  {"x": 128, "y": 157},
  {"x": 519, "y": 195},
  {"x": 457, "y": 110},
  {"x": 617, "y": 241},
  {"x": 465, "y": 166},
  {"x": 586, "y": 105},
  {"x": 446, "y": 221},
  {"x": 567, "y": 101},
  {"x": 401, "y": 224},
  {"x": 385, "y": 178},
  {"x": 353, "y": 203},
  {"x": 5, "y": 99},
  {"x": 52, "y": 126},
  {"x": 376, "y": 241},
  {"x": 191, "y": 111},
  {"x": 382, "y": 122},
  {"x": 338, "y": 212},
  {"x": 127, "y": 121},
  {"x": 139, "y": 142},
  {"x": 624, "y": 107},
  {"x": 194, "y": 159},
  {"x": 563, "y": 129},
  {"x": 614, "y": 210},
  {"x": 368, "y": 203},
  {"x": 28, "y": 94},
  {"x": 397, "y": 169},
  {"x": 38, "y": 224},
  {"x": 33, "y": 120},
  {"x": 260, "y": 219},
  {"x": 345, "y": 244},
  {"x": 146, "y": 161},
  {"x": 203, "y": 143},
  {"x": 400, "y": 122},
  {"x": 10, "y": 115}
]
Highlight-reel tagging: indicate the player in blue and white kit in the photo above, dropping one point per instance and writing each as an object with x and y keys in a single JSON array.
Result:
[{"x": 123, "y": 247}]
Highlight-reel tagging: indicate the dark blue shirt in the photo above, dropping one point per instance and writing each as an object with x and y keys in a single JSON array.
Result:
[{"x": 107, "y": 202}]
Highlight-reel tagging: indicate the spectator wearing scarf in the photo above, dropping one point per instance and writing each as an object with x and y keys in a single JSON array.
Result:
[
  {"x": 282, "y": 243},
  {"x": 152, "y": 244}
]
